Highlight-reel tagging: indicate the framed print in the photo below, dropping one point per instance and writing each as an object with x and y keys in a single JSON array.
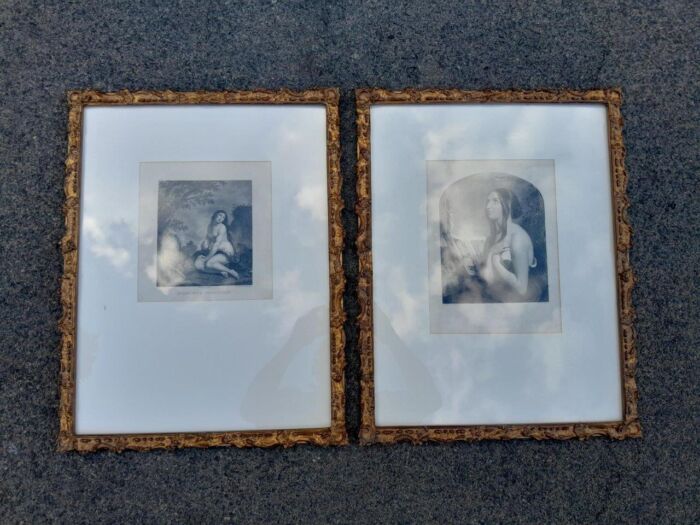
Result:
[
  {"x": 202, "y": 287},
  {"x": 494, "y": 276},
  {"x": 179, "y": 219}
]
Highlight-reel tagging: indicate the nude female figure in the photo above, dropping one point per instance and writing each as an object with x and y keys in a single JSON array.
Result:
[
  {"x": 508, "y": 253},
  {"x": 218, "y": 247}
]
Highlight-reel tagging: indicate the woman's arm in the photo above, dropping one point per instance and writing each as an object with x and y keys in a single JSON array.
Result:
[{"x": 521, "y": 268}]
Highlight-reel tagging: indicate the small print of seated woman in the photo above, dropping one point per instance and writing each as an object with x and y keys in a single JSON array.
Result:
[
  {"x": 508, "y": 253},
  {"x": 216, "y": 249}
]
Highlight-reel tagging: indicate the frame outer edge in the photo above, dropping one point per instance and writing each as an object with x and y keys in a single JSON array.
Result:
[
  {"x": 629, "y": 427},
  {"x": 336, "y": 433}
]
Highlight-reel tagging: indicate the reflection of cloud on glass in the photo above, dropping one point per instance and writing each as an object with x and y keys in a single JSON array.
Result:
[
  {"x": 291, "y": 137},
  {"x": 273, "y": 401},
  {"x": 477, "y": 138},
  {"x": 481, "y": 320},
  {"x": 439, "y": 139},
  {"x": 484, "y": 134},
  {"x": 551, "y": 361},
  {"x": 313, "y": 199},
  {"x": 171, "y": 262},
  {"x": 112, "y": 242},
  {"x": 384, "y": 227},
  {"x": 502, "y": 385},
  {"x": 213, "y": 315},
  {"x": 407, "y": 306},
  {"x": 526, "y": 130},
  {"x": 455, "y": 384},
  {"x": 405, "y": 382},
  {"x": 294, "y": 135},
  {"x": 530, "y": 131},
  {"x": 298, "y": 156},
  {"x": 292, "y": 298},
  {"x": 151, "y": 273},
  {"x": 596, "y": 250}
]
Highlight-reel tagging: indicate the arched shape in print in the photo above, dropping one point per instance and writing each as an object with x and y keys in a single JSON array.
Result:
[{"x": 493, "y": 243}]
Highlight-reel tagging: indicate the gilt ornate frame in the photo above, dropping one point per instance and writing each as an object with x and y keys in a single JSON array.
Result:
[
  {"x": 629, "y": 426},
  {"x": 336, "y": 433}
]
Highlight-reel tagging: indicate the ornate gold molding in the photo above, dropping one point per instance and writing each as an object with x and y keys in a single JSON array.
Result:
[
  {"x": 369, "y": 432},
  {"x": 336, "y": 434}
]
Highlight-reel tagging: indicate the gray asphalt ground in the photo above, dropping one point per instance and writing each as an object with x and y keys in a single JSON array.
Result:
[{"x": 650, "y": 49}]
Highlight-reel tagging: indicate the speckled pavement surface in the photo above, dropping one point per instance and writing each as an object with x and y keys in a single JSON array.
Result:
[{"x": 651, "y": 49}]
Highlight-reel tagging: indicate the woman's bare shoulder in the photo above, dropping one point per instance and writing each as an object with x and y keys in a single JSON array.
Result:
[{"x": 519, "y": 237}]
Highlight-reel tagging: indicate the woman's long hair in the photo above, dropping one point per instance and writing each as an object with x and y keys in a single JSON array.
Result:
[
  {"x": 210, "y": 228},
  {"x": 510, "y": 206}
]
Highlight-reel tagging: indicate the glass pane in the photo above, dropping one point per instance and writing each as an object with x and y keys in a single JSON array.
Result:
[
  {"x": 203, "y": 273},
  {"x": 493, "y": 258}
]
